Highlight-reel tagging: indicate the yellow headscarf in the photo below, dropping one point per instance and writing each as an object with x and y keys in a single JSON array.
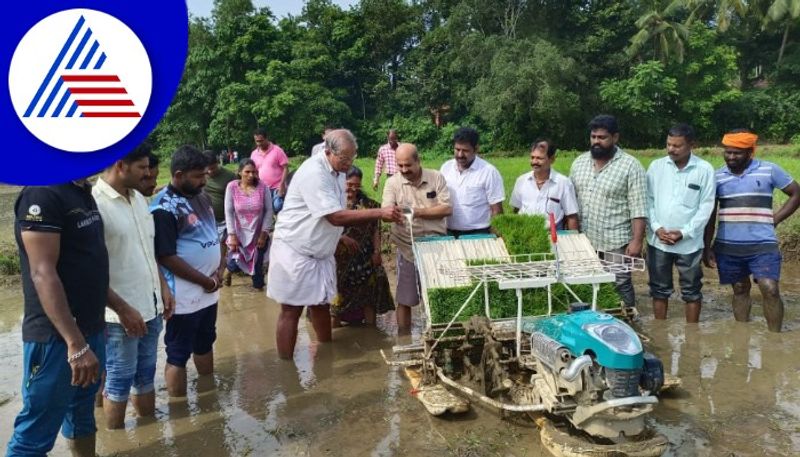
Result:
[{"x": 741, "y": 140}]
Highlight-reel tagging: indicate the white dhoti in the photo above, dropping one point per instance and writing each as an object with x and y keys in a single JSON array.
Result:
[{"x": 299, "y": 280}]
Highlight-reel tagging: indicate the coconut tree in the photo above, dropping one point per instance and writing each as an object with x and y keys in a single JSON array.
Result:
[
  {"x": 658, "y": 26},
  {"x": 783, "y": 12}
]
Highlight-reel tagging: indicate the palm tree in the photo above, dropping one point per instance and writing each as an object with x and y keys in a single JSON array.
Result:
[
  {"x": 786, "y": 11},
  {"x": 657, "y": 25}
]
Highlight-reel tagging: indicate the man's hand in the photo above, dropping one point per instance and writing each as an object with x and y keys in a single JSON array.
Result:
[
  {"x": 374, "y": 185},
  {"x": 169, "y": 302},
  {"x": 377, "y": 259},
  {"x": 85, "y": 369},
  {"x": 349, "y": 243},
  {"x": 675, "y": 236},
  {"x": 392, "y": 214},
  {"x": 634, "y": 249},
  {"x": 663, "y": 235},
  {"x": 709, "y": 258},
  {"x": 132, "y": 321},
  {"x": 212, "y": 283}
]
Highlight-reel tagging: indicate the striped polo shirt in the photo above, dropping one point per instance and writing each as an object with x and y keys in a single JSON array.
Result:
[{"x": 746, "y": 223}]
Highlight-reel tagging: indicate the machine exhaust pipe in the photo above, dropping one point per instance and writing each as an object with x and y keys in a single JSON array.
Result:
[{"x": 575, "y": 367}]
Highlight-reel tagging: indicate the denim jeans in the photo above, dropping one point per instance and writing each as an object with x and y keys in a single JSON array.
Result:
[
  {"x": 49, "y": 400},
  {"x": 131, "y": 361}
]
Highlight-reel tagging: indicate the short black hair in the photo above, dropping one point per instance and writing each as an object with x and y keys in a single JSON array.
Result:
[
  {"x": 551, "y": 148},
  {"x": 606, "y": 122},
  {"x": 684, "y": 130},
  {"x": 211, "y": 156},
  {"x": 260, "y": 131},
  {"x": 466, "y": 135},
  {"x": 187, "y": 158},
  {"x": 154, "y": 160},
  {"x": 354, "y": 171},
  {"x": 139, "y": 152}
]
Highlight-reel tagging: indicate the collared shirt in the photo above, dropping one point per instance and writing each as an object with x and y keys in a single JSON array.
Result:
[
  {"x": 130, "y": 234},
  {"x": 556, "y": 196},
  {"x": 316, "y": 191},
  {"x": 472, "y": 191},
  {"x": 386, "y": 159},
  {"x": 185, "y": 227},
  {"x": 429, "y": 192},
  {"x": 270, "y": 164},
  {"x": 82, "y": 265},
  {"x": 746, "y": 221},
  {"x": 609, "y": 198},
  {"x": 319, "y": 147},
  {"x": 679, "y": 200}
]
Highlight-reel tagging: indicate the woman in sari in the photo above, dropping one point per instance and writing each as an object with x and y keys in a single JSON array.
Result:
[
  {"x": 363, "y": 288},
  {"x": 248, "y": 217}
]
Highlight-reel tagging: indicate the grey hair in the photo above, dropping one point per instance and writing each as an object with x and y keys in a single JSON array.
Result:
[{"x": 337, "y": 139}]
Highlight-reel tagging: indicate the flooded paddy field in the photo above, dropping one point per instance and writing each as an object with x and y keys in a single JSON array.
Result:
[{"x": 740, "y": 394}]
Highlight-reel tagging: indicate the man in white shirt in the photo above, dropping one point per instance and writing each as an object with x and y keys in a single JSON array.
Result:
[
  {"x": 132, "y": 332},
  {"x": 476, "y": 187},
  {"x": 302, "y": 267},
  {"x": 544, "y": 190}
]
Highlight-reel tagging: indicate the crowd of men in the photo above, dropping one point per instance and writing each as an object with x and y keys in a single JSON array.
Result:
[{"x": 104, "y": 270}]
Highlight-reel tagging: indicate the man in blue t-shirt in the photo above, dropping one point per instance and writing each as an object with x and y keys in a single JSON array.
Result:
[
  {"x": 187, "y": 248},
  {"x": 746, "y": 243}
]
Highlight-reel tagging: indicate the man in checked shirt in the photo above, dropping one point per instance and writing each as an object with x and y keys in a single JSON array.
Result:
[
  {"x": 611, "y": 187},
  {"x": 386, "y": 158}
]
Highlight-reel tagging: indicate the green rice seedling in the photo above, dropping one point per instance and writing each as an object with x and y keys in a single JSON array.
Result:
[{"x": 522, "y": 233}]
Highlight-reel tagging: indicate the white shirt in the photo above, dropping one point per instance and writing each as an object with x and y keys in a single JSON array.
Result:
[
  {"x": 316, "y": 191},
  {"x": 319, "y": 147},
  {"x": 472, "y": 191},
  {"x": 129, "y": 233},
  {"x": 556, "y": 196}
]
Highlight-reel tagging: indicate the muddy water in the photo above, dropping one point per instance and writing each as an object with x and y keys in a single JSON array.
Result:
[{"x": 740, "y": 393}]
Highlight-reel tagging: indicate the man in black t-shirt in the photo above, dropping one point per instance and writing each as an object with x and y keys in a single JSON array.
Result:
[{"x": 64, "y": 263}]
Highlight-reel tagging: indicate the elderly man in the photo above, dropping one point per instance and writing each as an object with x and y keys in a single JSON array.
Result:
[
  {"x": 544, "y": 190},
  {"x": 746, "y": 243},
  {"x": 302, "y": 266},
  {"x": 680, "y": 198},
  {"x": 611, "y": 189},
  {"x": 426, "y": 193},
  {"x": 476, "y": 187},
  {"x": 386, "y": 158}
]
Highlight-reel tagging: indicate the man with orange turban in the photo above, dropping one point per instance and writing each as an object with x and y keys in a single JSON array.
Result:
[{"x": 746, "y": 243}]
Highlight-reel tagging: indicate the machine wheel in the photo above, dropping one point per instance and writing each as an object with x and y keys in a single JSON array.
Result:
[
  {"x": 561, "y": 443},
  {"x": 490, "y": 367}
]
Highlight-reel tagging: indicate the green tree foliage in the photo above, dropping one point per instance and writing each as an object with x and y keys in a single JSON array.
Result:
[{"x": 514, "y": 69}]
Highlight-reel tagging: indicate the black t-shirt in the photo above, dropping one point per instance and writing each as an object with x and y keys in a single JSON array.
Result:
[{"x": 82, "y": 264}]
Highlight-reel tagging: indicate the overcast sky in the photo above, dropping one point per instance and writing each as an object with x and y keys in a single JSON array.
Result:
[{"x": 279, "y": 8}]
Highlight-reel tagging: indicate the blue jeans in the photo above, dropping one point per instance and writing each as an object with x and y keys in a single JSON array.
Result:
[
  {"x": 131, "y": 361},
  {"x": 258, "y": 270},
  {"x": 49, "y": 401}
]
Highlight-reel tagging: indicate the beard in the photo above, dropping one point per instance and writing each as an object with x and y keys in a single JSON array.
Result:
[
  {"x": 601, "y": 153},
  {"x": 189, "y": 190}
]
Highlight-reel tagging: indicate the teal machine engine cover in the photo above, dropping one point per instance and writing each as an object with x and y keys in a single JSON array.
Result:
[{"x": 614, "y": 344}]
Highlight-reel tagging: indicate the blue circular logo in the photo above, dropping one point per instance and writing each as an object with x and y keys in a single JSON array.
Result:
[{"x": 87, "y": 82}]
